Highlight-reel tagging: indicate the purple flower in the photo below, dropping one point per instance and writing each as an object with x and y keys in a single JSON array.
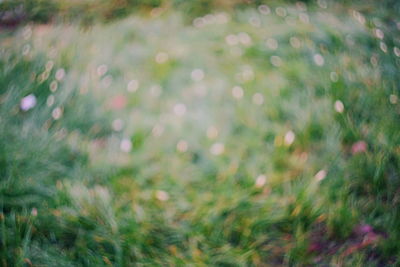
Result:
[
  {"x": 364, "y": 229},
  {"x": 28, "y": 102}
]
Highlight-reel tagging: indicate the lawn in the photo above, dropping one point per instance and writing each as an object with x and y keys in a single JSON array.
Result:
[{"x": 254, "y": 135}]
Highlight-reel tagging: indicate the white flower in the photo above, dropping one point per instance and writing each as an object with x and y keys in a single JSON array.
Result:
[
  {"x": 117, "y": 125},
  {"x": 60, "y": 73},
  {"x": 289, "y": 138},
  {"x": 162, "y": 195},
  {"x": 237, "y": 92},
  {"x": 133, "y": 85},
  {"x": 126, "y": 145},
  {"x": 57, "y": 113},
  {"x": 339, "y": 107},
  {"x": 319, "y": 59},
  {"x": 320, "y": 175},
  {"x": 261, "y": 180},
  {"x": 217, "y": 149}
]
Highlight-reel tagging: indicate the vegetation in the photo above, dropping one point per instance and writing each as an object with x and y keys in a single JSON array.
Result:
[{"x": 254, "y": 135}]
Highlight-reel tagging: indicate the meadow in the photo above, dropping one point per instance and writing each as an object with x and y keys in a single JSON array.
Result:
[{"x": 265, "y": 134}]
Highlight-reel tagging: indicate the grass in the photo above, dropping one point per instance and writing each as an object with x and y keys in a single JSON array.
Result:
[{"x": 245, "y": 139}]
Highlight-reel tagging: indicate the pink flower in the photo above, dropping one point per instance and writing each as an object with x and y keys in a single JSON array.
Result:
[
  {"x": 364, "y": 229},
  {"x": 359, "y": 147},
  {"x": 118, "y": 102}
]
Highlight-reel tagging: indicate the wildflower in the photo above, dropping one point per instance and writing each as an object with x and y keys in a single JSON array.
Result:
[
  {"x": 289, "y": 138},
  {"x": 28, "y": 102},
  {"x": 126, "y": 145},
  {"x": 162, "y": 195},
  {"x": 339, "y": 107},
  {"x": 320, "y": 175},
  {"x": 359, "y": 147},
  {"x": 261, "y": 180},
  {"x": 217, "y": 149}
]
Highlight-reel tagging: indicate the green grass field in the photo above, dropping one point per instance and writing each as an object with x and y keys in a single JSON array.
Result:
[{"x": 259, "y": 136}]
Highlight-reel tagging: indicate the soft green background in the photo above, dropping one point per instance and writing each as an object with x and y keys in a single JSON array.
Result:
[{"x": 200, "y": 135}]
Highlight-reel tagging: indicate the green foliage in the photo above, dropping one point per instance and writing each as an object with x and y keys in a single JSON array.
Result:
[{"x": 245, "y": 139}]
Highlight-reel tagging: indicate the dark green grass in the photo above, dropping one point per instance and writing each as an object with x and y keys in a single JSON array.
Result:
[{"x": 184, "y": 170}]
